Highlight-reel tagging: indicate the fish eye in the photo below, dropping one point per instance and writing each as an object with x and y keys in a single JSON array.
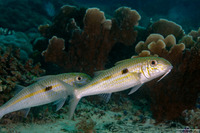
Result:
[
  {"x": 153, "y": 63},
  {"x": 78, "y": 78}
]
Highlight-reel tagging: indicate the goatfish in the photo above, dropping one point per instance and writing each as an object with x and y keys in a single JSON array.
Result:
[
  {"x": 125, "y": 74},
  {"x": 46, "y": 90}
]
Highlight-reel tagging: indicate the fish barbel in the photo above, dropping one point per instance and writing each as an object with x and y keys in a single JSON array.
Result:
[
  {"x": 46, "y": 90},
  {"x": 125, "y": 74}
]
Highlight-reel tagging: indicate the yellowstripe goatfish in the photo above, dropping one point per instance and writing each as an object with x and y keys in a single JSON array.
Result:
[
  {"x": 48, "y": 89},
  {"x": 125, "y": 74}
]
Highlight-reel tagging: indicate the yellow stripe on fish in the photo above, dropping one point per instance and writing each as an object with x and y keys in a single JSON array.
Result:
[
  {"x": 33, "y": 94},
  {"x": 125, "y": 74},
  {"x": 47, "y": 89}
]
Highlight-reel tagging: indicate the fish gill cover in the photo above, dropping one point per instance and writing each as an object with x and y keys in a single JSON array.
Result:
[{"x": 81, "y": 37}]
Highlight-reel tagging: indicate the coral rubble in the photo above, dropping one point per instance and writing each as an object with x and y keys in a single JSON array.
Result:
[
  {"x": 192, "y": 117},
  {"x": 178, "y": 91},
  {"x": 88, "y": 43}
]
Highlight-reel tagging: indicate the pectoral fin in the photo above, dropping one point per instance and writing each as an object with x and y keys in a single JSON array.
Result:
[
  {"x": 136, "y": 77},
  {"x": 60, "y": 103},
  {"x": 106, "y": 96},
  {"x": 135, "y": 88}
]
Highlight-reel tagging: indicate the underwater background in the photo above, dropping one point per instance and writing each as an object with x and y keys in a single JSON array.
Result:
[{"x": 45, "y": 37}]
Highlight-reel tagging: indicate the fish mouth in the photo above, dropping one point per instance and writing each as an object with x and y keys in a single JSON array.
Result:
[{"x": 169, "y": 70}]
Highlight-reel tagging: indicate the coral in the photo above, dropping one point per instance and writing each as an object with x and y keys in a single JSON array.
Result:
[
  {"x": 13, "y": 71},
  {"x": 188, "y": 41},
  {"x": 195, "y": 34},
  {"x": 155, "y": 39},
  {"x": 178, "y": 90},
  {"x": 123, "y": 22},
  {"x": 19, "y": 40},
  {"x": 6, "y": 31},
  {"x": 55, "y": 51},
  {"x": 166, "y": 27},
  {"x": 87, "y": 44}
]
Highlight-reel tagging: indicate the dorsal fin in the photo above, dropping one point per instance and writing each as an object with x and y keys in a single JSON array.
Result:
[
  {"x": 18, "y": 88},
  {"x": 122, "y": 61},
  {"x": 97, "y": 73},
  {"x": 43, "y": 77}
]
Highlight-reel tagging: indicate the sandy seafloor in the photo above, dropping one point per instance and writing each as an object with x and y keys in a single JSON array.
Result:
[{"x": 121, "y": 115}]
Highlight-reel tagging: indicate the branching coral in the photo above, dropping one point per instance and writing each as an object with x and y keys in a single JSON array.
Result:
[
  {"x": 178, "y": 91},
  {"x": 13, "y": 71},
  {"x": 88, "y": 43}
]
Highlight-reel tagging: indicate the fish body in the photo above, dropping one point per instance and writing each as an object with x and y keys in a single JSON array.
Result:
[
  {"x": 73, "y": 79},
  {"x": 125, "y": 74},
  {"x": 48, "y": 89}
]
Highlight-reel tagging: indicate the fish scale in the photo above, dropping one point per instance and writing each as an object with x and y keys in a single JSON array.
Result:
[
  {"x": 46, "y": 90},
  {"x": 125, "y": 74}
]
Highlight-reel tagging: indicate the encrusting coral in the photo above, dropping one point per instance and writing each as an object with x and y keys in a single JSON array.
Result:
[
  {"x": 88, "y": 43},
  {"x": 13, "y": 71},
  {"x": 178, "y": 91}
]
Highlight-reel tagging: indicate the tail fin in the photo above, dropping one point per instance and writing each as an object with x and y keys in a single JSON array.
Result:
[{"x": 72, "y": 105}]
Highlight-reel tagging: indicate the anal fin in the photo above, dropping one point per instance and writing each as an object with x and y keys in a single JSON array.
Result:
[{"x": 25, "y": 111}]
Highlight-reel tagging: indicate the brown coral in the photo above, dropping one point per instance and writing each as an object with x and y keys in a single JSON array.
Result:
[
  {"x": 166, "y": 27},
  {"x": 156, "y": 40},
  {"x": 178, "y": 91},
  {"x": 195, "y": 34},
  {"x": 123, "y": 23},
  {"x": 55, "y": 51},
  {"x": 88, "y": 44},
  {"x": 188, "y": 41}
]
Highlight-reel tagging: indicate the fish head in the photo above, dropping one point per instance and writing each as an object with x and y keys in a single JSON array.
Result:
[
  {"x": 156, "y": 67},
  {"x": 81, "y": 79}
]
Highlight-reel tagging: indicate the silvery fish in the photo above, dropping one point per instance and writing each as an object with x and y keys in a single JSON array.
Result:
[
  {"x": 125, "y": 74},
  {"x": 46, "y": 90}
]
